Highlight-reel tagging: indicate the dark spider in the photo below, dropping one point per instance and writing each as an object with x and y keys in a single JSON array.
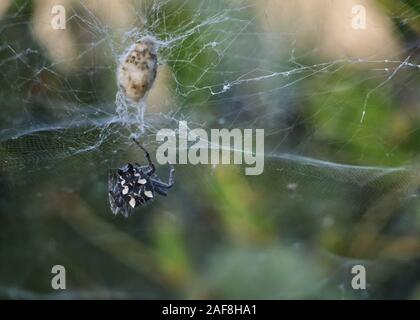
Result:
[{"x": 134, "y": 185}]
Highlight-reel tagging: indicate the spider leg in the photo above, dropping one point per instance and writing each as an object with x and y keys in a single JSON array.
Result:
[
  {"x": 116, "y": 208},
  {"x": 161, "y": 191},
  {"x": 146, "y": 153},
  {"x": 147, "y": 169},
  {"x": 111, "y": 179},
  {"x": 165, "y": 185}
]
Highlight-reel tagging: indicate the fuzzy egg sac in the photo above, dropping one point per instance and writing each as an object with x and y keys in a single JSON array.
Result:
[{"x": 137, "y": 69}]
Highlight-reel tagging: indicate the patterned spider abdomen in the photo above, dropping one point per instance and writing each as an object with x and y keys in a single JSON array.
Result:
[
  {"x": 129, "y": 188},
  {"x": 137, "y": 69}
]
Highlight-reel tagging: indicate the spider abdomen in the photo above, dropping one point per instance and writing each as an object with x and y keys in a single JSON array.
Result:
[
  {"x": 133, "y": 185},
  {"x": 132, "y": 188}
]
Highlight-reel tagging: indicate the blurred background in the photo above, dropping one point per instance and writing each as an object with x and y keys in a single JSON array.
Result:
[{"x": 340, "y": 107}]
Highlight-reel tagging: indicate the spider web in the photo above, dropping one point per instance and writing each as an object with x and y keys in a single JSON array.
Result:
[{"x": 340, "y": 160}]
